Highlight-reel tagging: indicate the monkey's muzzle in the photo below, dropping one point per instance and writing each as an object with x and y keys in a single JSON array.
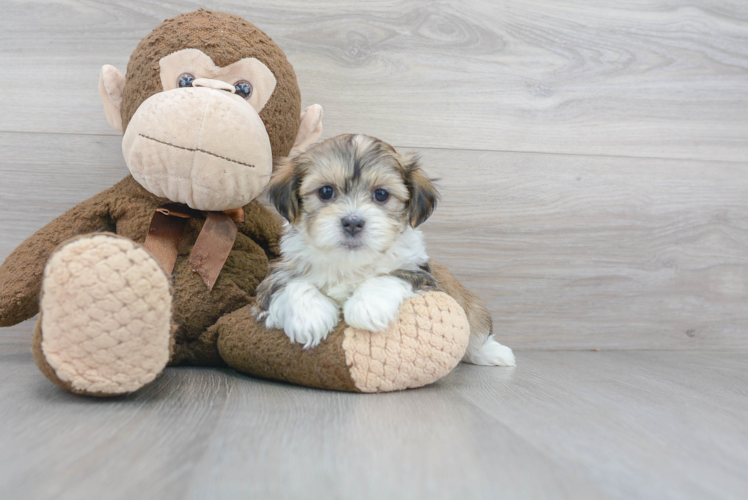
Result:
[{"x": 202, "y": 147}]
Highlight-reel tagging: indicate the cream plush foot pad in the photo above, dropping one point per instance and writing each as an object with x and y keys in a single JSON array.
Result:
[
  {"x": 106, "y": 315},
  {"x": 424, "y": 344}
]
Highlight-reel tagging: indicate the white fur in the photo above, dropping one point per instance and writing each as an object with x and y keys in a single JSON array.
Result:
[
  {"x": 490, "y": 353},
  {"x": 303, "y": 313},
  {"x": 375, "y": 303},
  {"x": 308, "y": 308},
  {"x": 338, "y": 271}
]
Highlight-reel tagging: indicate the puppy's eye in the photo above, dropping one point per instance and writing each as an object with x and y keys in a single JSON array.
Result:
[
  {"x": 381, "y": 195},
  {"x": 243, "y": 89},
  {"x": 185, "y": 80},
  {"x": 325, "y": 192}
]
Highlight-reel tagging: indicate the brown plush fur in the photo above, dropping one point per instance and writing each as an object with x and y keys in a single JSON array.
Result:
[
  {"x": 250, "y": 348},
  {"x": 126, "y": 209}
]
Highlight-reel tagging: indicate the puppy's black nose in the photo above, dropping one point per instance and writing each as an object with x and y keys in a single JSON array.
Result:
[{"x": 352, "y": 225}]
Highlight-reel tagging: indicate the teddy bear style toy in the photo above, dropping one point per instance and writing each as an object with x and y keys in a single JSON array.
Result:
[{"x": 159, "y": 269}]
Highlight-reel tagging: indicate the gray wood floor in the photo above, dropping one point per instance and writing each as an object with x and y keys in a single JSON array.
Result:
[
  {"x": 593, "y": 160},
  {"x": 626, "y": 424}
]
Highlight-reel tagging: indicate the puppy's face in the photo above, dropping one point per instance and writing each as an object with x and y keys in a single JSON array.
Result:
[{"x": 352, "y": 193}]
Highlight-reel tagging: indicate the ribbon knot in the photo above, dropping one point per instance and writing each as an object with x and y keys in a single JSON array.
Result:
[{"x": 213, "y": 244}]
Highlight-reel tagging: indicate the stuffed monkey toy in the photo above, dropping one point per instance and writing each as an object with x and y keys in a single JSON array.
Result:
[{"x": 160, "y": 269}]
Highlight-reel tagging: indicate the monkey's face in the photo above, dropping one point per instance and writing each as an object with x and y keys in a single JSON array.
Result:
[
  {"x": 201, "y": 142},
  {"x": 207, "y": 103}
]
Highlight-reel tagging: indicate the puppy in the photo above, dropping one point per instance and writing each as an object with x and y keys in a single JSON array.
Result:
[{"x": 353, "y": 205}]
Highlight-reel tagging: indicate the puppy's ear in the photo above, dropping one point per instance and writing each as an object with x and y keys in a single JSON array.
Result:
[
  {"x": 283, "y": 189},
  {"x": 423, "y": 194}
]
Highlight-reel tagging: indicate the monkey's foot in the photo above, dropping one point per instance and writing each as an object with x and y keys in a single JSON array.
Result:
[{"x": 105, "y": 323}]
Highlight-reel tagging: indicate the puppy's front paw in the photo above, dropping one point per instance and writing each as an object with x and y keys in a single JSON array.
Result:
[
  {"x": 304, "y": 313},
  {"x": 375, "y": 303},
  {"x": 310, "y": 327},
  {"x": 366, "y": 315}
]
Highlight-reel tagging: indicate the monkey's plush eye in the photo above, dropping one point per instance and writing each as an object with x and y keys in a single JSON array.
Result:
[
  {"x": 185, "y": 80},
  {"x": 325, "y": 192},
  {"x": 381, "y": 195},
  {"x": 243, "y": 89}
]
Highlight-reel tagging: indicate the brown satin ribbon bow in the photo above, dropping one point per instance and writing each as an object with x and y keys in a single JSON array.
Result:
[{"x": 213, "y": 244}]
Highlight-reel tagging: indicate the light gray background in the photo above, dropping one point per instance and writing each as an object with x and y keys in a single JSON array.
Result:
[{"x": 593, "y": 164}]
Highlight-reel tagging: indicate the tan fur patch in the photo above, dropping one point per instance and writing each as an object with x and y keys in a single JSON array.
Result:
[{"x": 481, "y": 325}]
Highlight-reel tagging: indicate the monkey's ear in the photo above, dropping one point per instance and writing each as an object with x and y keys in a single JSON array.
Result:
[
  {"x": 309, "y": 130},
  {"x": 423, "y": 194},
  {"x": 283, "y": 189},
  {"x": 111, "y": 84}
]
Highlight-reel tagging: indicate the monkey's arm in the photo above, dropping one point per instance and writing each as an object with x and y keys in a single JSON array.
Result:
[
  {"x": 262, "y": 226},
  {"x": 21, "y": 273}
]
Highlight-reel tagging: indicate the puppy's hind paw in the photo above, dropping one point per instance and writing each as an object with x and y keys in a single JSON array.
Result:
[{"x": 491, "y": 353}]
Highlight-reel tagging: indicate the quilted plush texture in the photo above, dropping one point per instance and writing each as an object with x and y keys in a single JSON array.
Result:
[
  {"x": 107, "y": 315},
  {"x": 427, "y": 342}
]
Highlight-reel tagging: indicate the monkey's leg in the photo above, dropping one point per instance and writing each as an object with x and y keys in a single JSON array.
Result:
[
  {"x": 425, "y": 343},
  {"x": 105, "y": 317}
]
